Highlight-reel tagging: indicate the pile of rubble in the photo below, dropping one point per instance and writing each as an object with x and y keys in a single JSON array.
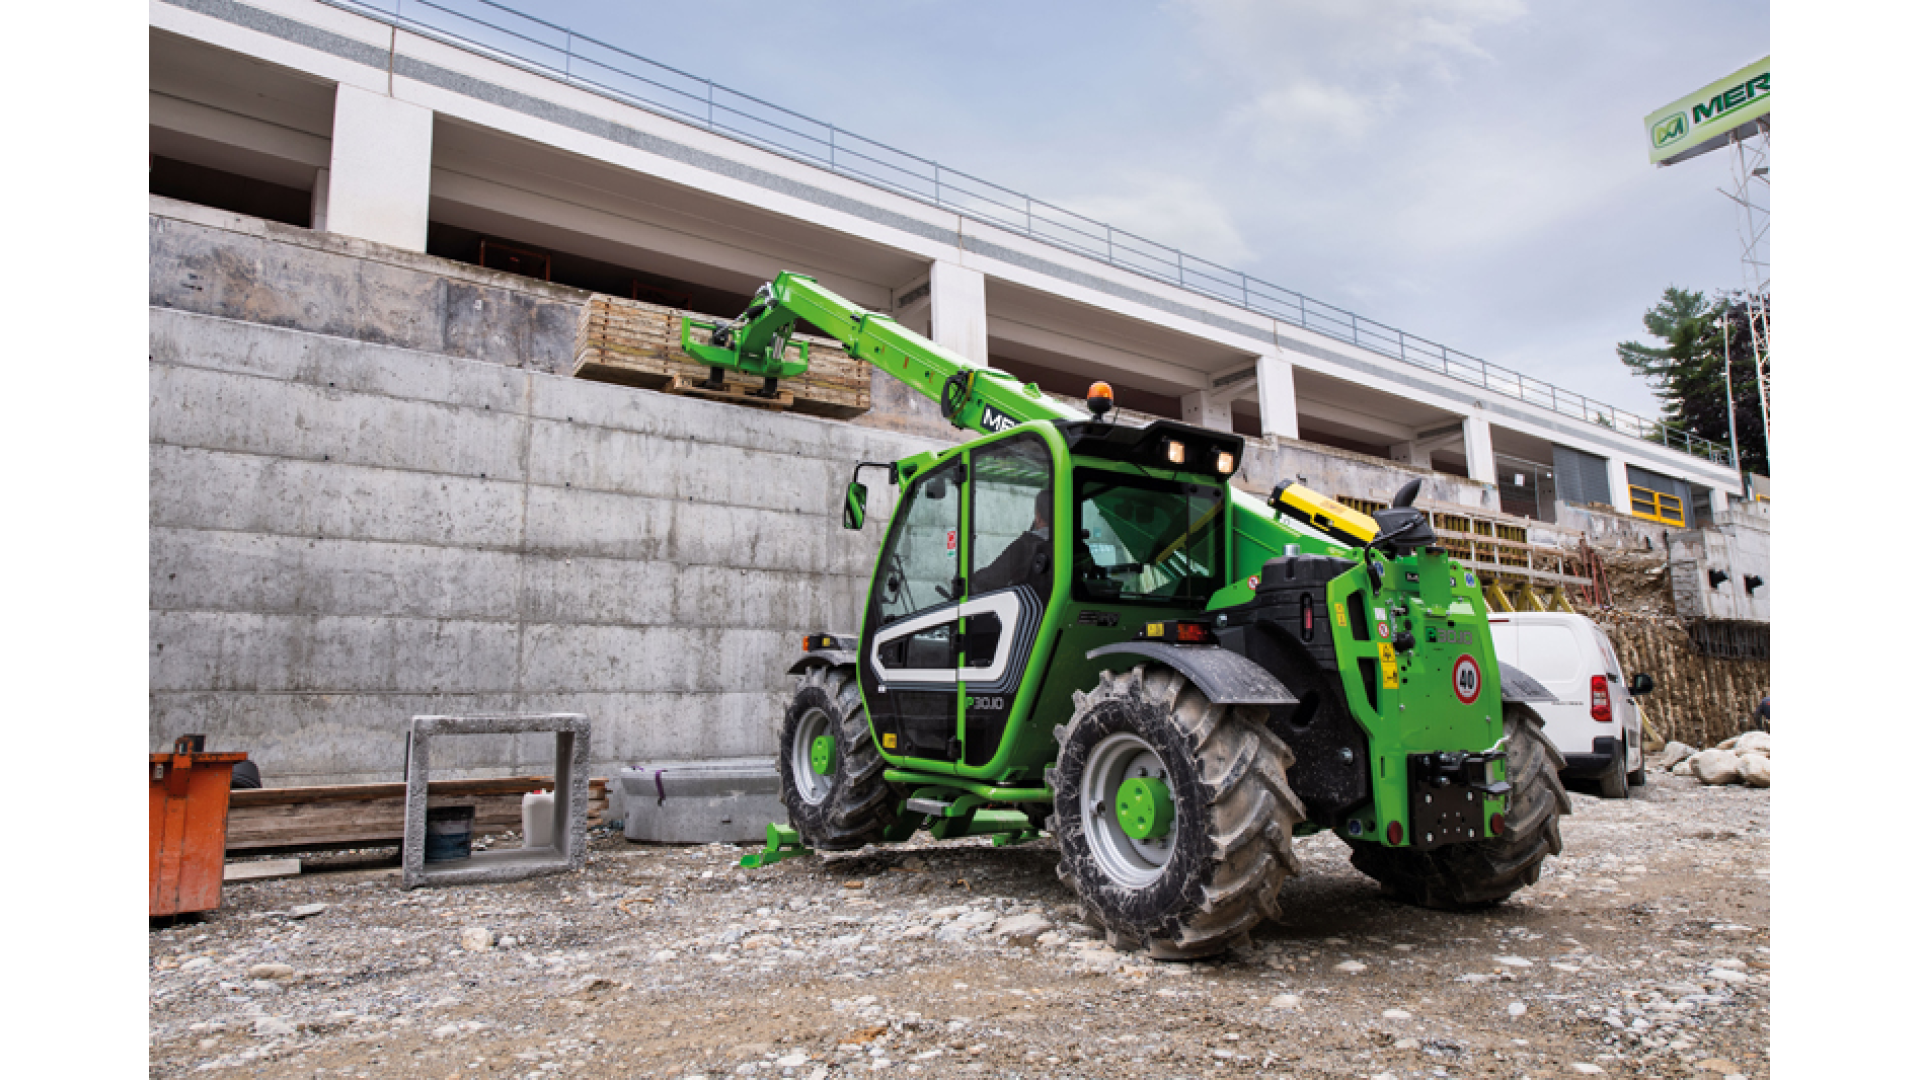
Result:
[{"x": 1744, "y": 759}]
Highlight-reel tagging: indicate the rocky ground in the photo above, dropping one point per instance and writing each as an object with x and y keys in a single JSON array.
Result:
[{"x": 1643, "y": 952}]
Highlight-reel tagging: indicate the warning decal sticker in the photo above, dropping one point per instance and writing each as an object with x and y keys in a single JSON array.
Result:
[
  {"x": 1389, "y": 668},
  {"x": 1466, "y": 679}
]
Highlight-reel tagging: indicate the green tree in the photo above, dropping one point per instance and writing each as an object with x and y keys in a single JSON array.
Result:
[{"x": 1688, "y": 370}]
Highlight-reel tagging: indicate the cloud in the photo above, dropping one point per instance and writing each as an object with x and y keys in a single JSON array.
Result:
[{"x": 1328, "y": 72}]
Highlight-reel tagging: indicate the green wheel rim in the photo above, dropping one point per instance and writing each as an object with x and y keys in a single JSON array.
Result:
[
  {"x": 821, "y": 755},
  {"x": 1144, "y": 807}
]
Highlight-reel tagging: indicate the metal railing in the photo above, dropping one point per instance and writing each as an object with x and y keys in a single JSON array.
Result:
[{"x": 557, "y": 52}]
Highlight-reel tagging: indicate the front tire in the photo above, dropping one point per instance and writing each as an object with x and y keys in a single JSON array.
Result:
[
  {"x": 1216, "y": 870},
  {"x": 838, "y": 800},
  {"x": 1485, "y": 872}
]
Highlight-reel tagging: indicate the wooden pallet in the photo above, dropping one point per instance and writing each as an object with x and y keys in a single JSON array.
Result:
[
  {"x": 635, "y": 343},
  {"x": 261, "y": 820},
  {"x": 733, "y": 391}
]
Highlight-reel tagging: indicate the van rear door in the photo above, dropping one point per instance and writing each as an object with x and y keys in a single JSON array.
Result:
[{"x": 1552, "y": 653}]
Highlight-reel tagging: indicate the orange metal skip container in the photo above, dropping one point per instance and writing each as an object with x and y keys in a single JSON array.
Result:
[{"x": 187, "y": 828}]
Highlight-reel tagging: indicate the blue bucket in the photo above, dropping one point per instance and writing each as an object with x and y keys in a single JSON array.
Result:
[{"x": 449, "y": 833}]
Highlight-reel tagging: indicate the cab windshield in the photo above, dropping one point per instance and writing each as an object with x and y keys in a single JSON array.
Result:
[{"x": 1145, "y": 540}]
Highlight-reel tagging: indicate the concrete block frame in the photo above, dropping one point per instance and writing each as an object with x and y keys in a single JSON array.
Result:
[{"x": 566, "y": 849}]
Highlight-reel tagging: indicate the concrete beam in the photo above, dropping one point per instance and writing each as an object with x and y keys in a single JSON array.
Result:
[
  {"x": 1479, "y": 437},
  {"x": 381, "y": 169},
  {"x": 1207, "y": 410},
  {"x": 1414, "y": 453},
  {"x": 1144, "y": 367},
  {"x": 1385, "y": 430},
  {"x": 959, "y": 298},
  {"x": 1279, "y": 410}
]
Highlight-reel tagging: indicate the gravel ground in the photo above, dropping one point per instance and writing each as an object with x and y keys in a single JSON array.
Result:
[{"x": 1643, "y": 952}]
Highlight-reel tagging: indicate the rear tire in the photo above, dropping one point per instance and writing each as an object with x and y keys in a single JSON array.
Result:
[
  {"x": 1614, "y": 781},
  {"x": 1480, "y": 873},
  {"x": 851, "y": 805},
  {"x": 1217, "y": 871}
]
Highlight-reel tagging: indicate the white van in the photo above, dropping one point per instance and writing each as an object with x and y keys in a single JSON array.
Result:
[{"x": 1594, "y": 722}]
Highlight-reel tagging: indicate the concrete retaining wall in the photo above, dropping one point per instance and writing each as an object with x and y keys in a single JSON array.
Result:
[
  {"x": 345, "y": 534},
  {"x": 374, "y": 494}
]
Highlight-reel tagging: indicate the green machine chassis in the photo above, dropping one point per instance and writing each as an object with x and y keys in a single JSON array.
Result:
[{"x": 1388, "y": 694}]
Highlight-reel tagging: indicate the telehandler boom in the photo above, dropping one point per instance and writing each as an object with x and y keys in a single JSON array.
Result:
[{"x": 1083, "y": 627}]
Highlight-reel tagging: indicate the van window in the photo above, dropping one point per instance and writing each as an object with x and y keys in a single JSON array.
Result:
[
  {"x": 1549, "y": 652},
  {"x": 1502, "y": 633},
  {"x": 1606, "y": 653}
]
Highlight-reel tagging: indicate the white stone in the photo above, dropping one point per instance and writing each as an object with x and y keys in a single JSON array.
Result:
[
  {"x": 1585, "y": 1069},
  {"x": 476, "y": 939},
  {"x": 793, "y": 1060},
  {"x": 1673, "y": 754},
  {"x": 1513, "y": 961},
  {"x": 1516, "y": 1009},
  {"x": 1726, "y": 976},
  {"x": 1397, "y": 1014},
  {"x": 1350, "y": 967},
  {"x": 1021, "y": 929},
  {"x": 305, "y": 911},
  {"x": 1753, "y": 741},
  {"x": 1756, "y": 770},
  {"x": 270, "y": 971},
  {"x": 1716, "y": 766},
  {"x": 1285, "y": 1001}
]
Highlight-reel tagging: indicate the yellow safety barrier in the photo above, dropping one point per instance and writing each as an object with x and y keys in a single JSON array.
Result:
[{"x": 1651, "y": 505}]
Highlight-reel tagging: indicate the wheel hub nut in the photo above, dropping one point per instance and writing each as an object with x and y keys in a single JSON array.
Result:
[
  {"x": 820, "y": 755},
  {"x": 1145, "y": 808}
]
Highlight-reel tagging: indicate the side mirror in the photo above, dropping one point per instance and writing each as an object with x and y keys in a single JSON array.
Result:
[
  {"x": 853, "y": 512},
  {"x": 1642, "y": 684}
]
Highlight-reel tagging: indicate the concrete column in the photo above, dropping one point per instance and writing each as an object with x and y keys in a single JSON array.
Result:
[
  {"x": 960, "y": 310},
  {"x": 1717, "y": 502},
  {"x": 321, "y": 178},
  {"x": 1278, "y": 413},
  {"x": 1207, "y": 411},
  {"x": 381, "y": 169},
  {"x": 1479, "y": 436},
  {"x": 1617, "y": 485}
]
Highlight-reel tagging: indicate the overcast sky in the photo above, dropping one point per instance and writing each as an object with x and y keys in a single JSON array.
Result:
[{"x": 1472, "y": 171}]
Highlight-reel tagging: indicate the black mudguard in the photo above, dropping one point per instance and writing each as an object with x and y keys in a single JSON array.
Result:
[
  {"x": 1517, "y": 685},
  {"x": 845, "y": 650},
  {"x": 1227, "y": 678}
]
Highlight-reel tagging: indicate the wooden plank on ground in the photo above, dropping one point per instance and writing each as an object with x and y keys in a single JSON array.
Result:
[
  {"x": 371, "y": 814},
  {"x": 262, "y": 870}
]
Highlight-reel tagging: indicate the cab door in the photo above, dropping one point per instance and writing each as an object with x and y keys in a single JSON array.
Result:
[
  {"x": 910, "y": 648},
  {"x": 1011, "y": 559}
]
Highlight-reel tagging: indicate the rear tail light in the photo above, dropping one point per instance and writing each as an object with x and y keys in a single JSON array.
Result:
[
  {"x": 1393, "y": 832},
  {"x": 1602, "y": 701},
  {"x": 1497, "y": 824}
]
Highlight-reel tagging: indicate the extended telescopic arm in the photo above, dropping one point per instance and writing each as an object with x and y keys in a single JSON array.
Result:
[{"x": 971, "y": 396}]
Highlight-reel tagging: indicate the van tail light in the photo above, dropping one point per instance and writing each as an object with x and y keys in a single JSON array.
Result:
[{"x": 1602, "y": 701}]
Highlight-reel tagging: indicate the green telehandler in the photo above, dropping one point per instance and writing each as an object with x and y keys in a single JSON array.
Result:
[{"x": 1082, "y": 627}]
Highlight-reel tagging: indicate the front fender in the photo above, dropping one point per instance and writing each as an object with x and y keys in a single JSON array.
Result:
[{"x": 1227, "y": 678}]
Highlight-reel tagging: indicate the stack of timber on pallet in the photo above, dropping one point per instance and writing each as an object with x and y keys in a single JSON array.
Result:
[
  {"x": 262, "y": 820},
  {"x": 638, "y": 344},
  {"x": 1519, "y": 574}
]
